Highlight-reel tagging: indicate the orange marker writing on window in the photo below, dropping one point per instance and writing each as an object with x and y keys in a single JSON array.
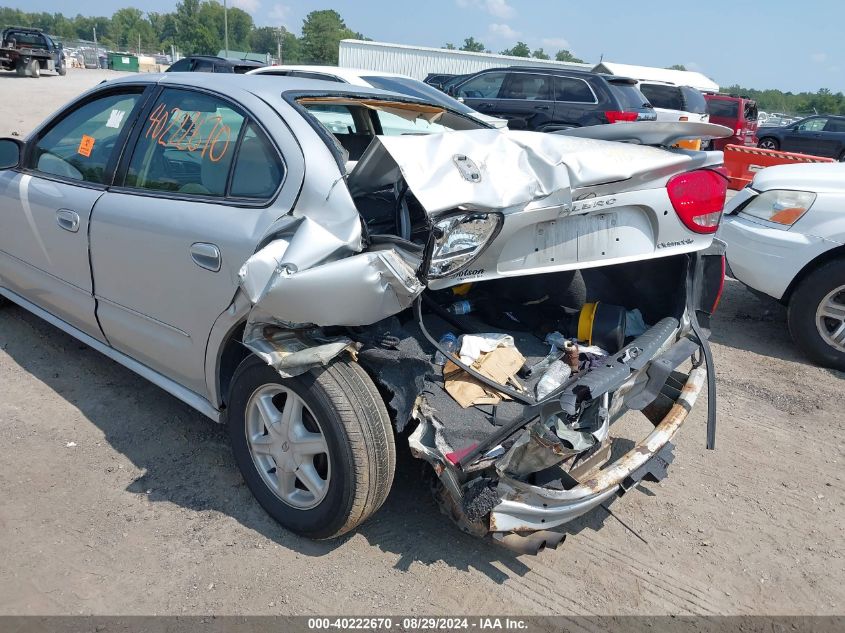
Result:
[{"x": 85, "y": 146}]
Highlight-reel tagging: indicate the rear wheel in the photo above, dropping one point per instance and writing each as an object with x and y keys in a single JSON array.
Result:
[
  {"x": 316, "y": 450},
  {"x": 62, "y": 70},
  {"x": 34, "y": 69},
  {"x": 769, "y": 143},
  {"x": 842, "y": 157},
  {"x": 817, "y": 315},
  {"x": 20, "y": 68}
]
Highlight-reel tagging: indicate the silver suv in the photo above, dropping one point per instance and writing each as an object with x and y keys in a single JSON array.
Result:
[{"x": 284, "y": 255}]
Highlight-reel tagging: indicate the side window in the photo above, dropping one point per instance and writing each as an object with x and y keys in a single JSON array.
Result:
[
  {"x": 813, "y": 125},
  {"x": 203, "y": 66},
  {"x": 80, "y": 145},
  {"x": 395, "y": 125},
  {"x": 835, "y": 125},
  {"x": 182, "y": 66},
  {"x": 660, "y": 96},
  {"x": 258, "y": 170},
  {"x": 526, "y": 86},
  {"x": 486, "y": 86},
  {"x": 186, "y": 145},
  {"x": 573, "y": 90}
]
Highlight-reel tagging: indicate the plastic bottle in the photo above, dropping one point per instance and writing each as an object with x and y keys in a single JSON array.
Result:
[
  {"x": 555, "y": 376},
  {"x": 461, "y": 307},
  {"x": 448, "y": 341}
]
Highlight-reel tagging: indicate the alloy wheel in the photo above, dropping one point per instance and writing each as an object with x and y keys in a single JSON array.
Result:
[
  {"x": 288, "y": 446},
  {"x": 768, "y": 144},
  {"x": 830, "y": 318}
]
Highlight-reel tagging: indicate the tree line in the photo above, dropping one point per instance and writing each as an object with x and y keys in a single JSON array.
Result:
[
  {"x": 195, "y": 28},
  {"x": 822, "y": 102},
  {"x": 520, "y": 49}
]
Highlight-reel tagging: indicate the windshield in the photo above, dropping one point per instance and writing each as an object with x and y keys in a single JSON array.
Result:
[{"x": 414, "y": 88}]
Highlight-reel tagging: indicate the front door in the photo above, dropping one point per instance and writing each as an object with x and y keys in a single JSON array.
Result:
[
  {"x": 167, "y": 245},
  {"x": 47, "y": 205},
  {"x": 527, "y": 99},
  {"x": 805, "y": 137}
]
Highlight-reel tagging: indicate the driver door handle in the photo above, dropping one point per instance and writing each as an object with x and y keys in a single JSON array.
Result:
[
  {"x": 206, "y": 256},
  {"x": 67, "y": 220},
  {"x": 541, "y": 107}
]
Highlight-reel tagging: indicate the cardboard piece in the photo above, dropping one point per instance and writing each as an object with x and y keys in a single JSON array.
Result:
[{"x": 500, "y": 365}]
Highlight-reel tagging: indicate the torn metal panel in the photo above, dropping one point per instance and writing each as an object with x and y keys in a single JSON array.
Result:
[
  {"x": 289, "y": 353},
  {"x": 514, "y": 169},
  {"x": 357, "y": 290}
]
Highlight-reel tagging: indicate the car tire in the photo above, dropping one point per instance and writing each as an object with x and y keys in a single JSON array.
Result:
[
  {"x": 62, "y": 70},
  {"x": 768, "y": 143},
  {"x": 841, "y": 158},
  {"x": 34, "y": 69},
  {"x": 20, "y": 69},
  {"x": 350, "y": 472},
  {"x": 816, "y": 322}
]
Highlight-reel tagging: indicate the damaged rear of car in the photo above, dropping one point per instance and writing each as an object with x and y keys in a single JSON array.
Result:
[{"x": 500, "y": 298}]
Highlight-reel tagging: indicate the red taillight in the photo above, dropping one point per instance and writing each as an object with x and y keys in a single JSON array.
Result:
[
  {"x": 698, "y": 198},
  {"x": 615, "y": 116}
]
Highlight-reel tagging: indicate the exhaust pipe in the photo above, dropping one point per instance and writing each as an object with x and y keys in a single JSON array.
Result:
[{"x": 532, "y": 543}]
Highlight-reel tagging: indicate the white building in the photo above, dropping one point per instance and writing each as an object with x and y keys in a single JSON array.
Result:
[
  {"x": 647, "y": 73},
  {"x": 420, "y": 61}
]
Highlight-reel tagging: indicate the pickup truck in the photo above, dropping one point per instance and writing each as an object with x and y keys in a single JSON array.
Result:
[{"x": 29, "y": 51}]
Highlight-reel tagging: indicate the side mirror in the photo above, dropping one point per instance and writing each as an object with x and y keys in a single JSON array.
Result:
[{"x": 11, "y": 151}]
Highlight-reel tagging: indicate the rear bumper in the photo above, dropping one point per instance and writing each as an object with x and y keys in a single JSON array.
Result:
[{"x": 527, "y": 508}]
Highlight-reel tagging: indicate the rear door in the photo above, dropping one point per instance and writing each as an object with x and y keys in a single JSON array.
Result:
[
  {"x": 833, "y": 138},
  {"x": 47, "y": 205},
  {"x": 197, "y": 183},
  {"x": 574, "y": 98},
  {"x": 667, "y": 100}
]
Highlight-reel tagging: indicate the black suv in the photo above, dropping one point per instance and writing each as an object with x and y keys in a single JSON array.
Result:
[
  {"x": 816, "y": 135},
  {"x": 549, "y": 99},
  {"x": 212, "y": 64}
]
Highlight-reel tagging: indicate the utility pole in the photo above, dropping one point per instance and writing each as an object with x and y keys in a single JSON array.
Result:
[
  {"x": 226, "y": 28},
  {"x": 139, "y": 44},
  {"x": 279, "y": 37},
  {"x": 96, "y": 48}
]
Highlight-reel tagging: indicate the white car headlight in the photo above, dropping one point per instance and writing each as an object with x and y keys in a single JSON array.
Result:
[
  {"x": 780, "y": 206},
  {"x": 460, "y": 240}
]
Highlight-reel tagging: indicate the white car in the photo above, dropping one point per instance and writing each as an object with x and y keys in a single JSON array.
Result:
[
  {"x": 391, "y": 82},
  {"x": 676, "y": 103},
  {"x": 786, "y": 239}
]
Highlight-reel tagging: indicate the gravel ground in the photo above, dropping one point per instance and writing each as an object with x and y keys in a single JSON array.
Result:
[{"x": 115, "y": 498}]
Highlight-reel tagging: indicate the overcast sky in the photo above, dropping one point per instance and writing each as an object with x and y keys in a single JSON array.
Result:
[{"x": 764, "y": 44}]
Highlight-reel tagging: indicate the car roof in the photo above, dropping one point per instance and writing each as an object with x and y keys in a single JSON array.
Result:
[
  {"x": 228, "y": 60},
  {"x": 268, "y": 88},
  {"x": 337, "y": 71}
]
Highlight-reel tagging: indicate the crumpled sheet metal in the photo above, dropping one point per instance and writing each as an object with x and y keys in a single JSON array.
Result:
[
  {"x": 504, "y": 170},
  {"x": 537, "y": 449},
  {"x": 357, "y": 290},
  {"x": 289, "y": 355}
]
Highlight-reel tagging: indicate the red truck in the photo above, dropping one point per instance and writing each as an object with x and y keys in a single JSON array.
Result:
[{"x": 737, "y": 113}]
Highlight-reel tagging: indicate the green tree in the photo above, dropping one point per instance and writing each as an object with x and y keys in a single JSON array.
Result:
[
  {"x": 519, "y": 50},
  {"x": 677, "y": 67},
  {"x": 540, "y": 54},
  {"x": 194, "y": 37},
  {"x": 265, "y": 39},
  {"x": 127, "y": 25},
  {"x": 472, "y": 45},
  {"x": 565, "y": 56},
  {"x": 449, "y": 46},
  {"x": 321, "y": 35}
]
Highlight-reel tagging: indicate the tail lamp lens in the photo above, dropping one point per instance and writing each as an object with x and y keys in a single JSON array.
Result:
[
  {"x": 616, "y": 116},
  {"x": 698, "y": 198}
]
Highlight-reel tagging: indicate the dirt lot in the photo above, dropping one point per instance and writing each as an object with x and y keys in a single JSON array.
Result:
[{"x": 115, "y": 498}]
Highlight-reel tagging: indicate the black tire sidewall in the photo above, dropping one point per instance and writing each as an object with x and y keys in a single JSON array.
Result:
[
  {"x": 802, "y": 314},
  {"x": 331, "y": 514},
  {"x": 773, "y": 140}
]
